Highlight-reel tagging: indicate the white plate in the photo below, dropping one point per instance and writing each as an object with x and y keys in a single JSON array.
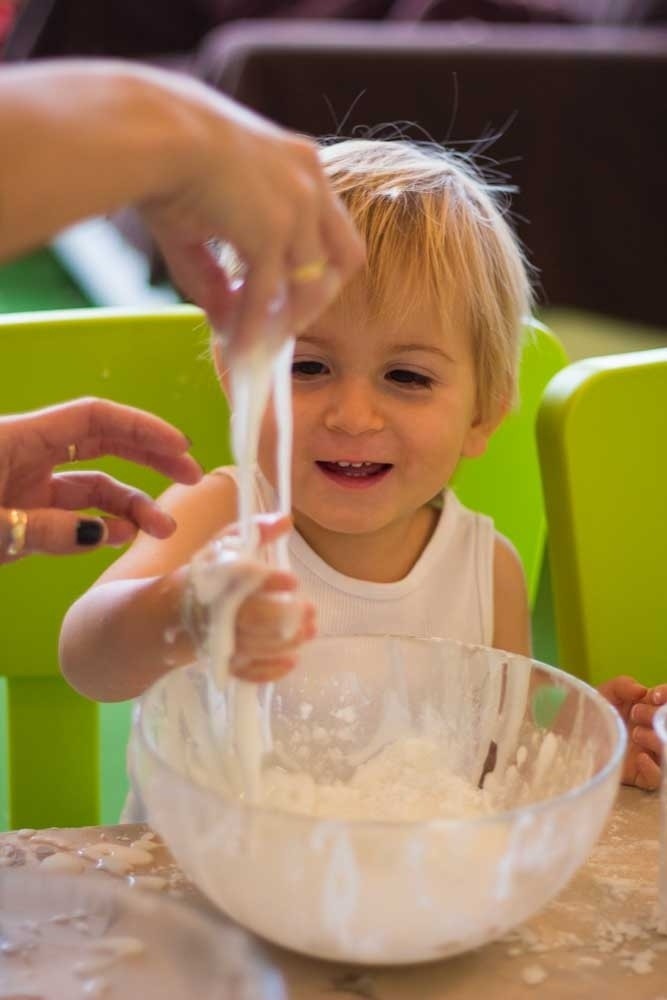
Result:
[{"x": 63, "y": 937}]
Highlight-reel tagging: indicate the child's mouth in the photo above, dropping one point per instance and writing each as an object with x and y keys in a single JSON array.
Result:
[{"x": 357, "y": 472}]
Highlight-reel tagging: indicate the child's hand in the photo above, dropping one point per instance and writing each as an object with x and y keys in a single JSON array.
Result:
[
  {"x": 271, "y": 624},
  {"x": 643, "y": 736},
  {"x": 637, "y": 706},
  {"x": 271, "y": 620}
]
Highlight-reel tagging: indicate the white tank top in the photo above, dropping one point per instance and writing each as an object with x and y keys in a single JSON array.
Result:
[{"x": 448, "y": 593}]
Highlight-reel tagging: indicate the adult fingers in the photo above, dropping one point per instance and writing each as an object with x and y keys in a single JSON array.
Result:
[
  {"x": 309, "y": 298},
  {"x": 262, "y": 312},
  {"x": 316, "y": 281},
  {"x": 77, "y": 490},
  {"x": 344, "y": 246},
  {"x": 197, "y": 274},
  {"x": 313, "y": 269},
  {"x": 325, "y": 249},
  {"x": 53, "y": 532},
  {"x": 179, "y": 468},
  {"x": 89, "y": 428}
]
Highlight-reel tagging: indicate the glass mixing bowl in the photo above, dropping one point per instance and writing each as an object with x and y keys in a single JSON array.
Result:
[{"x": 547, "y": 746}]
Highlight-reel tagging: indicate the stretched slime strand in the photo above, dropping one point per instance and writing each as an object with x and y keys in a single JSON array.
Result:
[{"x": 266, "y": 366}]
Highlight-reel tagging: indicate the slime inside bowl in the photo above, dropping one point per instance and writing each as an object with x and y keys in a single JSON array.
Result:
[{"x": 418, "y": 862}]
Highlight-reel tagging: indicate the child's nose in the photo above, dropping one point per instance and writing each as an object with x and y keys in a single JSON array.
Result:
[{"x": 353, "y": 408}]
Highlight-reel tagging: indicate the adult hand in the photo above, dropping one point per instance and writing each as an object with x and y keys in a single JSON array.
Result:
[
  {"x": 38, "y": 507},
  {"x": 199, "y": 167},
  {"x": 262, "y": 189}
]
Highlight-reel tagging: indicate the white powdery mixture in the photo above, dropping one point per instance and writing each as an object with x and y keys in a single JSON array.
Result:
[{"x": 406, "y": 781}]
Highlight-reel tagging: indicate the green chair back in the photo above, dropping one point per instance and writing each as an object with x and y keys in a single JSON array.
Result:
[
  {"x": 159, "y": 361},
  {"x": 602, "y": 432},
  {"x": 505, "y": 481}
]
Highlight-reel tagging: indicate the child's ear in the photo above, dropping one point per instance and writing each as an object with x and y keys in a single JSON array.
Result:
[{"x": 480, "y": 431}]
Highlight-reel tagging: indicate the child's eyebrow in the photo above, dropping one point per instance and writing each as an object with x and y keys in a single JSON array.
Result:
[
  {"x": 311, "y": 338},
  {"x": 398, "y": 348},
  {"x": 429, "y": 348}
]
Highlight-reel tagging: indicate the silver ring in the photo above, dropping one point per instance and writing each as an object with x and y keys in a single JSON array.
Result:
[{"x": 18, "y": 522}]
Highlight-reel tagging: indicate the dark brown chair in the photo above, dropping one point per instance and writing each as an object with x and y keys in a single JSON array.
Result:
[{"x": 574, "y": 116}]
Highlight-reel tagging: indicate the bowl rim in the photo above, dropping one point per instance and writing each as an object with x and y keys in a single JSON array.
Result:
[{"x": 505, "y": 816}]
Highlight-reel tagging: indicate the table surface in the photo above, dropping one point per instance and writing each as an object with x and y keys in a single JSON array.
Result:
[{"x": 596, "y": 940}]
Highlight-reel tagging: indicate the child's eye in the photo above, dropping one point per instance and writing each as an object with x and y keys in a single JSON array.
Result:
[
  {"x": 404, "y": 376},
  {"x": 307, "y": 369}
]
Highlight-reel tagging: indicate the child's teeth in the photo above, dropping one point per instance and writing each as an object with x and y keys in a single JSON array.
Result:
[{"x": 352, "y": 465}]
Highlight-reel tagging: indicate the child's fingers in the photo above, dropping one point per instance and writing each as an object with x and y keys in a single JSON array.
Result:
[
  {"x": 279, "y": 579},
  {"x": 642, "y": 714},
  {"x": 265, "y": 672},
  {"x": 272, "y": 617},
  {"x": 272, "y": 526},
  {"x": 261, "y": 649},
  {"x": 269, "y": 526},
  {"x": 657, "y": 695},
  {"x": 647, "y": 739},
  {"x": 266, "y": 647},
  {"x": 623, "y": 689},
  {"x": 648, "y": 773}
]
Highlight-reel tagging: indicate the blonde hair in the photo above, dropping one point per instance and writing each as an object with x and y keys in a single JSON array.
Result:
[{"x": 435, "y": 232}]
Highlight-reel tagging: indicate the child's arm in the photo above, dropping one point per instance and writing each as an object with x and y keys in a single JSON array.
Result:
[
  {"x": 128, "y": 629},
  {"x": 511, "y": 614},
  {"x": 637, "y": 706}
]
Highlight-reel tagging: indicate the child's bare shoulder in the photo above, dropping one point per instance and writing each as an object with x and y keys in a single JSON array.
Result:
[{"x": 507, "y": 565}]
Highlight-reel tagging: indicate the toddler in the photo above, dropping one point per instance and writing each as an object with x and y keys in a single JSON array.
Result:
[{"x": 412, "y": 367}]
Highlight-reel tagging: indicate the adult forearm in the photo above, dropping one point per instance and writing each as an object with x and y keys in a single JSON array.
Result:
[
  {"x": 123, "y": 635},
  {"x": 80, "y": 139}
]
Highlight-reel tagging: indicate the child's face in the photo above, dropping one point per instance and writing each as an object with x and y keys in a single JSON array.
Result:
[{"x": 401, "y": 399}]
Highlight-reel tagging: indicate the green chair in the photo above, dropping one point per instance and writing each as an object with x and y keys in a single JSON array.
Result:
[
  {"x": 602, "y": 432},
  {"x": 159, "y": 362},
  {"x": 505, "y": 482}
]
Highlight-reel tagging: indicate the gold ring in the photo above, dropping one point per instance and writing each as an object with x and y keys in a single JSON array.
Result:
[
  {"x": 306, "y": 273},
  {"x": 72, "y": 452},
  {"x": 18, "y": 521}
]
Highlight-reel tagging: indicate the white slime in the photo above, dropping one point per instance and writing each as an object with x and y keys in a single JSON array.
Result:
[
  {"x": 222, "y": 581},
  {"x": 407, "y": 781}
]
